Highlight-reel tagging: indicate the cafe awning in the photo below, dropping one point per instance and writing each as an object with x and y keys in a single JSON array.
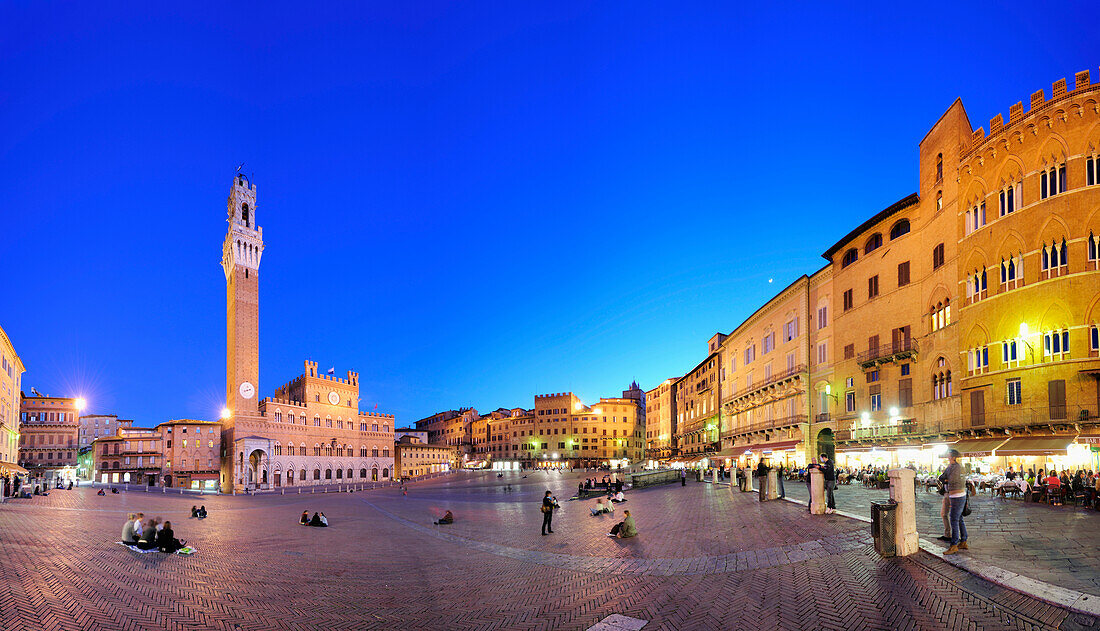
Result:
[
  {"x": 12, "y": 468},
  {"x": 978, "y": 448},
  {"x": 784, "y": 445},
  {"x": 1036, "y": 446},
  {"x": 732, "y": 452}
]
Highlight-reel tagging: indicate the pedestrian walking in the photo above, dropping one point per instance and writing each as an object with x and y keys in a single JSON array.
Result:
[
  {"x": 683, "y": 477},
  {"x": 548, "y": 504},
  {"x": 954, "y": 476}
]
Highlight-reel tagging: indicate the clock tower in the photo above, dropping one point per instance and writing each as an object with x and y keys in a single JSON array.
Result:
[{"x": 241, "y": 262}]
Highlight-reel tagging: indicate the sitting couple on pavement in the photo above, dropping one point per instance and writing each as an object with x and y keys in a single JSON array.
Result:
[
  {"x": 319, "y": 520},
  {"x": 602, "y": 507},
  {"x": 625, "y": 528},
  {"x": 618, "y": 498},
  {"x": 198, "y": 513},
  {"x": 150, "y": 534}
]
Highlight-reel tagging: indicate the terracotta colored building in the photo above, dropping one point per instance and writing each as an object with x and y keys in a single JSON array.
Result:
[
  {"x": 311, "y": 431},
  {"x": 413, "y": 458},
  {"x": 134, "y": 455},
  {"x": 191, "y": 454},
  {"x": 48, "y": 440}
]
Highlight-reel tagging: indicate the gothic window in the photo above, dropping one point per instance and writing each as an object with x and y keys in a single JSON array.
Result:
[{"x": 244, "y": 214}]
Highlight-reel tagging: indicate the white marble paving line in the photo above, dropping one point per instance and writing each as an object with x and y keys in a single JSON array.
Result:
[{"x": 1071, "y": 599}]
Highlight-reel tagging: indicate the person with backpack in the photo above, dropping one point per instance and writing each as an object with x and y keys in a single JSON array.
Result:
[{"x": 548, "y": 504}]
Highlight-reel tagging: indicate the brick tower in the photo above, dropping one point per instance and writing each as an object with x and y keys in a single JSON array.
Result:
[{"x": 241, "y": 262}]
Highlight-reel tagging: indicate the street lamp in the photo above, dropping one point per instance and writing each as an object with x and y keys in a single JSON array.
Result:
[
  {"x": 81, "y": 404},
  {"x": 226, "y": 413}
]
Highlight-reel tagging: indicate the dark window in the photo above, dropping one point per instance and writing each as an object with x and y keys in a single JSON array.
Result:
[
  {"x": 900, "y": 228},
  {"x": 872, "y": 287},
  {"x": 851, "y": 256},
  {"x": 873, "y": 243},
  {"x": 849, "y": 351},
  {"x": 847, "y": 299},
  {"x": 939, "y": 167},
  {"x": 1056, "y": 395},
  {"x": 937, "y": 256},
  {"x": 903, "y": 274}
]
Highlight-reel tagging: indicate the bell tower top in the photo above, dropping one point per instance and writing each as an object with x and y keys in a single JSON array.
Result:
[
  {"x": 244, "y": 241},
  {"x": 242, "y": 203}
]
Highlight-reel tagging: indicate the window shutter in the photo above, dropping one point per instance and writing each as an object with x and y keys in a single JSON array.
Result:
[
  {"x": 977, "y": 407},
  {"x": 1056, "y": 396}
]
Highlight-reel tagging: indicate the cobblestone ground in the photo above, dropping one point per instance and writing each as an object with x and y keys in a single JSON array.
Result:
[
  {"x": 706, "y": 559},
  {"x": 1055, "y": 544}
]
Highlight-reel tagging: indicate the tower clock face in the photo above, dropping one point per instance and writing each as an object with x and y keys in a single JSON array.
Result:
[
  {"x": 247, "y": 390},
  {"x": 333, "y": 398}
]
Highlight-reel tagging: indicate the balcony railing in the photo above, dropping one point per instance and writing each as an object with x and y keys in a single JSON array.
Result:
[
  {"x": 888, "y": 352},
  {"x": 1019, "y": 416},
  {"x": 768, "y": 381}
]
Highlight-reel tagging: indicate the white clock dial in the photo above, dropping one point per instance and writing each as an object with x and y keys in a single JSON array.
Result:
[
  {"x": 333, "y": 398},
  {"x": 247, "y": 390}
]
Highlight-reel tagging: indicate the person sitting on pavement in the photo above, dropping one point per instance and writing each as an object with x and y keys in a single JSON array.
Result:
[
  {"x": 128, "y": 536},
  {"x": 625, "y": 528},
  {"x": 148, "y": 539},
  {"x": 194, "y": 512},
  {"x": 447, "y": 518},
  {"x": 305, "y": 518},
  {"x": 619, "y": 497},
  {"x": 202, "y": 512},
  {"x": 316, "y": 521},
  {"x": 600, "y": 507},
  {"x": 101, "y": 492},
  {"x": 166, "y": 541},
  {"x": 114, "y": 491},
  {"x": 324, "y": 520}
]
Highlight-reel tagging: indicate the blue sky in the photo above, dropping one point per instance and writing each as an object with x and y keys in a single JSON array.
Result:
[{"x": 468, "y": 203}]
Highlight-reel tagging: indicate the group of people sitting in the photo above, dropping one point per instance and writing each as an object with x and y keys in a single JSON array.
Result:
[
  {"x": 113, "y": 491},
  {"x": 198, "y": 512},
  {"x": 318, "y": 520},
  {"x": 150, "y": 534}
]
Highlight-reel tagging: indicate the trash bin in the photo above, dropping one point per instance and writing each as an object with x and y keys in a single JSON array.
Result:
[{"x": 883, "y": 518}]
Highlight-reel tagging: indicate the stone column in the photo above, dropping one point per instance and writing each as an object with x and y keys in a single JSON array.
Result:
[
  {"x": 817, "y": 492},
  {"x": 903, "y": 492},
  {"x": 773, "y": 485},
  {"x": 748, "y": 481}
]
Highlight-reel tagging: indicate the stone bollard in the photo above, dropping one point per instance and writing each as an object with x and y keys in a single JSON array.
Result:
[
  {"x": 773, "y": 485},
  {"x": 817, "y": 492},
  {"x": 748, "y": 481},
  {"x": 282, "y": 491},
  {"x": 902, "y": 491}
]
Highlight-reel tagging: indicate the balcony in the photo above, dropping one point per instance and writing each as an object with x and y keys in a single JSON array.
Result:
[
  {"x": 885, "y": 353},
  {"x": 774, "y": 380},
  {"x": 1023, "y": 417}
]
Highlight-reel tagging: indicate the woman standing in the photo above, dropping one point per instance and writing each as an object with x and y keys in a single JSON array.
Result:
[{"x": 954, "y": 477}]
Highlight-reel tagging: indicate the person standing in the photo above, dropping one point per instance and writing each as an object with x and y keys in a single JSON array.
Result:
[
  {"x": 547, "y": 513},
  {"x": 683, "y": 477},
  {"x": 829, "y": 472},
  {"x": 955, "y": 478}
]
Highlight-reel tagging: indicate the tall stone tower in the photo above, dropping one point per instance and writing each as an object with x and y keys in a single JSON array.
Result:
[{"x": 241, "y": 261}]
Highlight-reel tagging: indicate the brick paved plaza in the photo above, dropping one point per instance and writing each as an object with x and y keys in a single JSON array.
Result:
[{"x": 706, "y": 558}]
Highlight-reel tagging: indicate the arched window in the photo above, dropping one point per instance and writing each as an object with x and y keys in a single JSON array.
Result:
[
  {"x": 939, "y": 201},
  {"x": 244, "y": 214},
  {"x": 316, "y": 474},
  {"x": 349, "y": 474},
  {"x": 328, "y": 474},
  {"x": 302, "y": 475},
  {"x": 374, "y": 473},
  {"x": 385, "y": 427},
  {"x": 339, "y": 474},
  {"x": 374, "y": 427},
  {"x": 1094, "y": 249},
  {"x": 939, "y": 167},
  {"x": 374, "y": 450},
  {"x": 385, "y": 472},
  {"x": 873, "y": 243},
  {"x": 900, "y": 228},
  {"x": 851, "y": 256},
  {"x": 363, "y": 473}
]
